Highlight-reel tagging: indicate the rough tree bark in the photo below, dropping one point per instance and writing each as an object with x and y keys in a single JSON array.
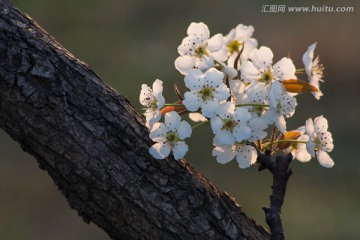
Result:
[{"x": 94, "y": 145}]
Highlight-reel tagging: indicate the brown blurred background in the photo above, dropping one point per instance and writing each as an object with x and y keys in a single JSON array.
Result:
[{"x": 133, "y": 42}]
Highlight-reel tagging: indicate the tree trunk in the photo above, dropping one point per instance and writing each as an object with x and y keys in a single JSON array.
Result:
[{"x": 94, "y": 145}]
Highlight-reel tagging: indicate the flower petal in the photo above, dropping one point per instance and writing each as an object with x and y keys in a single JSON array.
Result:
[
  {"x": 192, "y": 101},
  {"x": 146, "y": 95},
  {"x": 197, "y": 117},
  {"x": 326, "y": 142},
  {"x": 309, "y": 129},
  {"x": 284, "y": 69},
  {"x": 320, "y": 125},
  {"x": 185, "y": 48},
  {"x": 237, "y": 89},
  {"x": 249, "y": 46},
  {"x": 172, "y": 121},
  {"x": 193, "y": 80},
  {"x": 288, "y": 104},
  {"x": 229, "y": 37},
  {"x": 152, "y": 116},
  {"x": 257, "y": 126},
  {"x": 257, "y": 93},
  {"x": 157, "y": 87},
  {"x": 160, "y": 150},
  {"x": 225, "y": 137},
  {"x": 275, "y": 92},
  {"x": 241, "y": 133},
  {"x": 270, "y": 116},
  {"x": 216, "y": 124},
  {"x": 213, "y": 78},
  {"x": 241, "y": 115},
  {"x": 310, "y": 147},
  {"x": 249, "y": 72},
  {"x": 185, "y": 64},
  {"x": 180, "y": 149},
  {"x": 243, "y": 32},
  {"x": 184, "y": 130},
  {"x": 226, "y": 109},
  {"x": 257, "y": 123},
  {"x": 205, "y": 62},
  {"x": 215, "y": 42},
  {"x": 199, "y": 30},
  {"x": 280, "y": 123},
  {"x": 224, "y": 154},
  {"x": 188, "y": 45},
  {"x": 262, "y": 58},
  {"x": 158, "y": 132},
  {"x": 314, "y": 80},
  {"x": 222, "y": 93},
  {"x": 324, "y": 159},
  {"x": 221, "y": 55},
  {"x": 209, "y": 108},
  {"x": 300, "y": 153},
  {"x": 246, "y": 156},
  {"x": 308, "y": 58}
]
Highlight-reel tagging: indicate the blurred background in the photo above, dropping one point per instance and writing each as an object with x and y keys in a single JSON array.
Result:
[{"x": 128, "y": 43}]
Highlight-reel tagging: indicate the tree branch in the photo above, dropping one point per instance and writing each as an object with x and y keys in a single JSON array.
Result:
[
  {"x": 94, "y": 146},
  {"x": 281, "y": 173}
]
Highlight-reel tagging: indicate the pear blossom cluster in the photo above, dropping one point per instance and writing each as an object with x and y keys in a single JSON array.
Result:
[{"x": 235, "y": 87}]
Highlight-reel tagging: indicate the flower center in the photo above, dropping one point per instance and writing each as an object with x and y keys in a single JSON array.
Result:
[
  {"x": 239, "y": 145},
  {"x": 317, "y": 141},
  {"x": 234, "y": 46},
  {"x": 207, "y": 93},
  {"x": 229, "y": 124},
  {"x": 201, "y": 50},
  {"x": 258, "y": 110},
  {"x": 267, "y": 77},
  {"x": 172, "y": 138},
  {"x": 318, "y": 70},
  {"x": 154, "y": 104}
]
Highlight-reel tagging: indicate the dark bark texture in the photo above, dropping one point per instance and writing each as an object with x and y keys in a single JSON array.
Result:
[{"x": 94, "y": 145}]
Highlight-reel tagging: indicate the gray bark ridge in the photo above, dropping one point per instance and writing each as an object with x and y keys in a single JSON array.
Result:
[{"x": 94, "y": 145}]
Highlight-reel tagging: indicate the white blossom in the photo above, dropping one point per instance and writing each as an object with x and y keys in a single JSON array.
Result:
[
  {"x": 239, "y": 40},
  {"x": 298, "y": 150},
  {"x": 197, "y": 49},
  {"x": 231, "y": 125},
  {"x": 237, "y": 92},
  {"x": 282, "y": 105},
  {"x": 234, "y": 85},
  {"x": 206, "y": 91},
  {"x": 229, "y": 72},
  {"x": 245, "y": 154},
  {"x": 320, "y": 140},
  {"x": 260, "y": 68},
  {"x": 258, "y": 127},
  {"x": 257, "y": 94},
  {"x": 313, "y": 69},
  {"x": 153, "y": 101},
  {"x": 170, "y": 137}
]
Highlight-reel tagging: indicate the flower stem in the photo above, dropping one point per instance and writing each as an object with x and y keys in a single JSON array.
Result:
[
  {"x": 173, "y": 105},
  {"x": 252, "y": 105},
  {"x": 200, "y": 124},
  {"x": 301, "y": 70}
]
